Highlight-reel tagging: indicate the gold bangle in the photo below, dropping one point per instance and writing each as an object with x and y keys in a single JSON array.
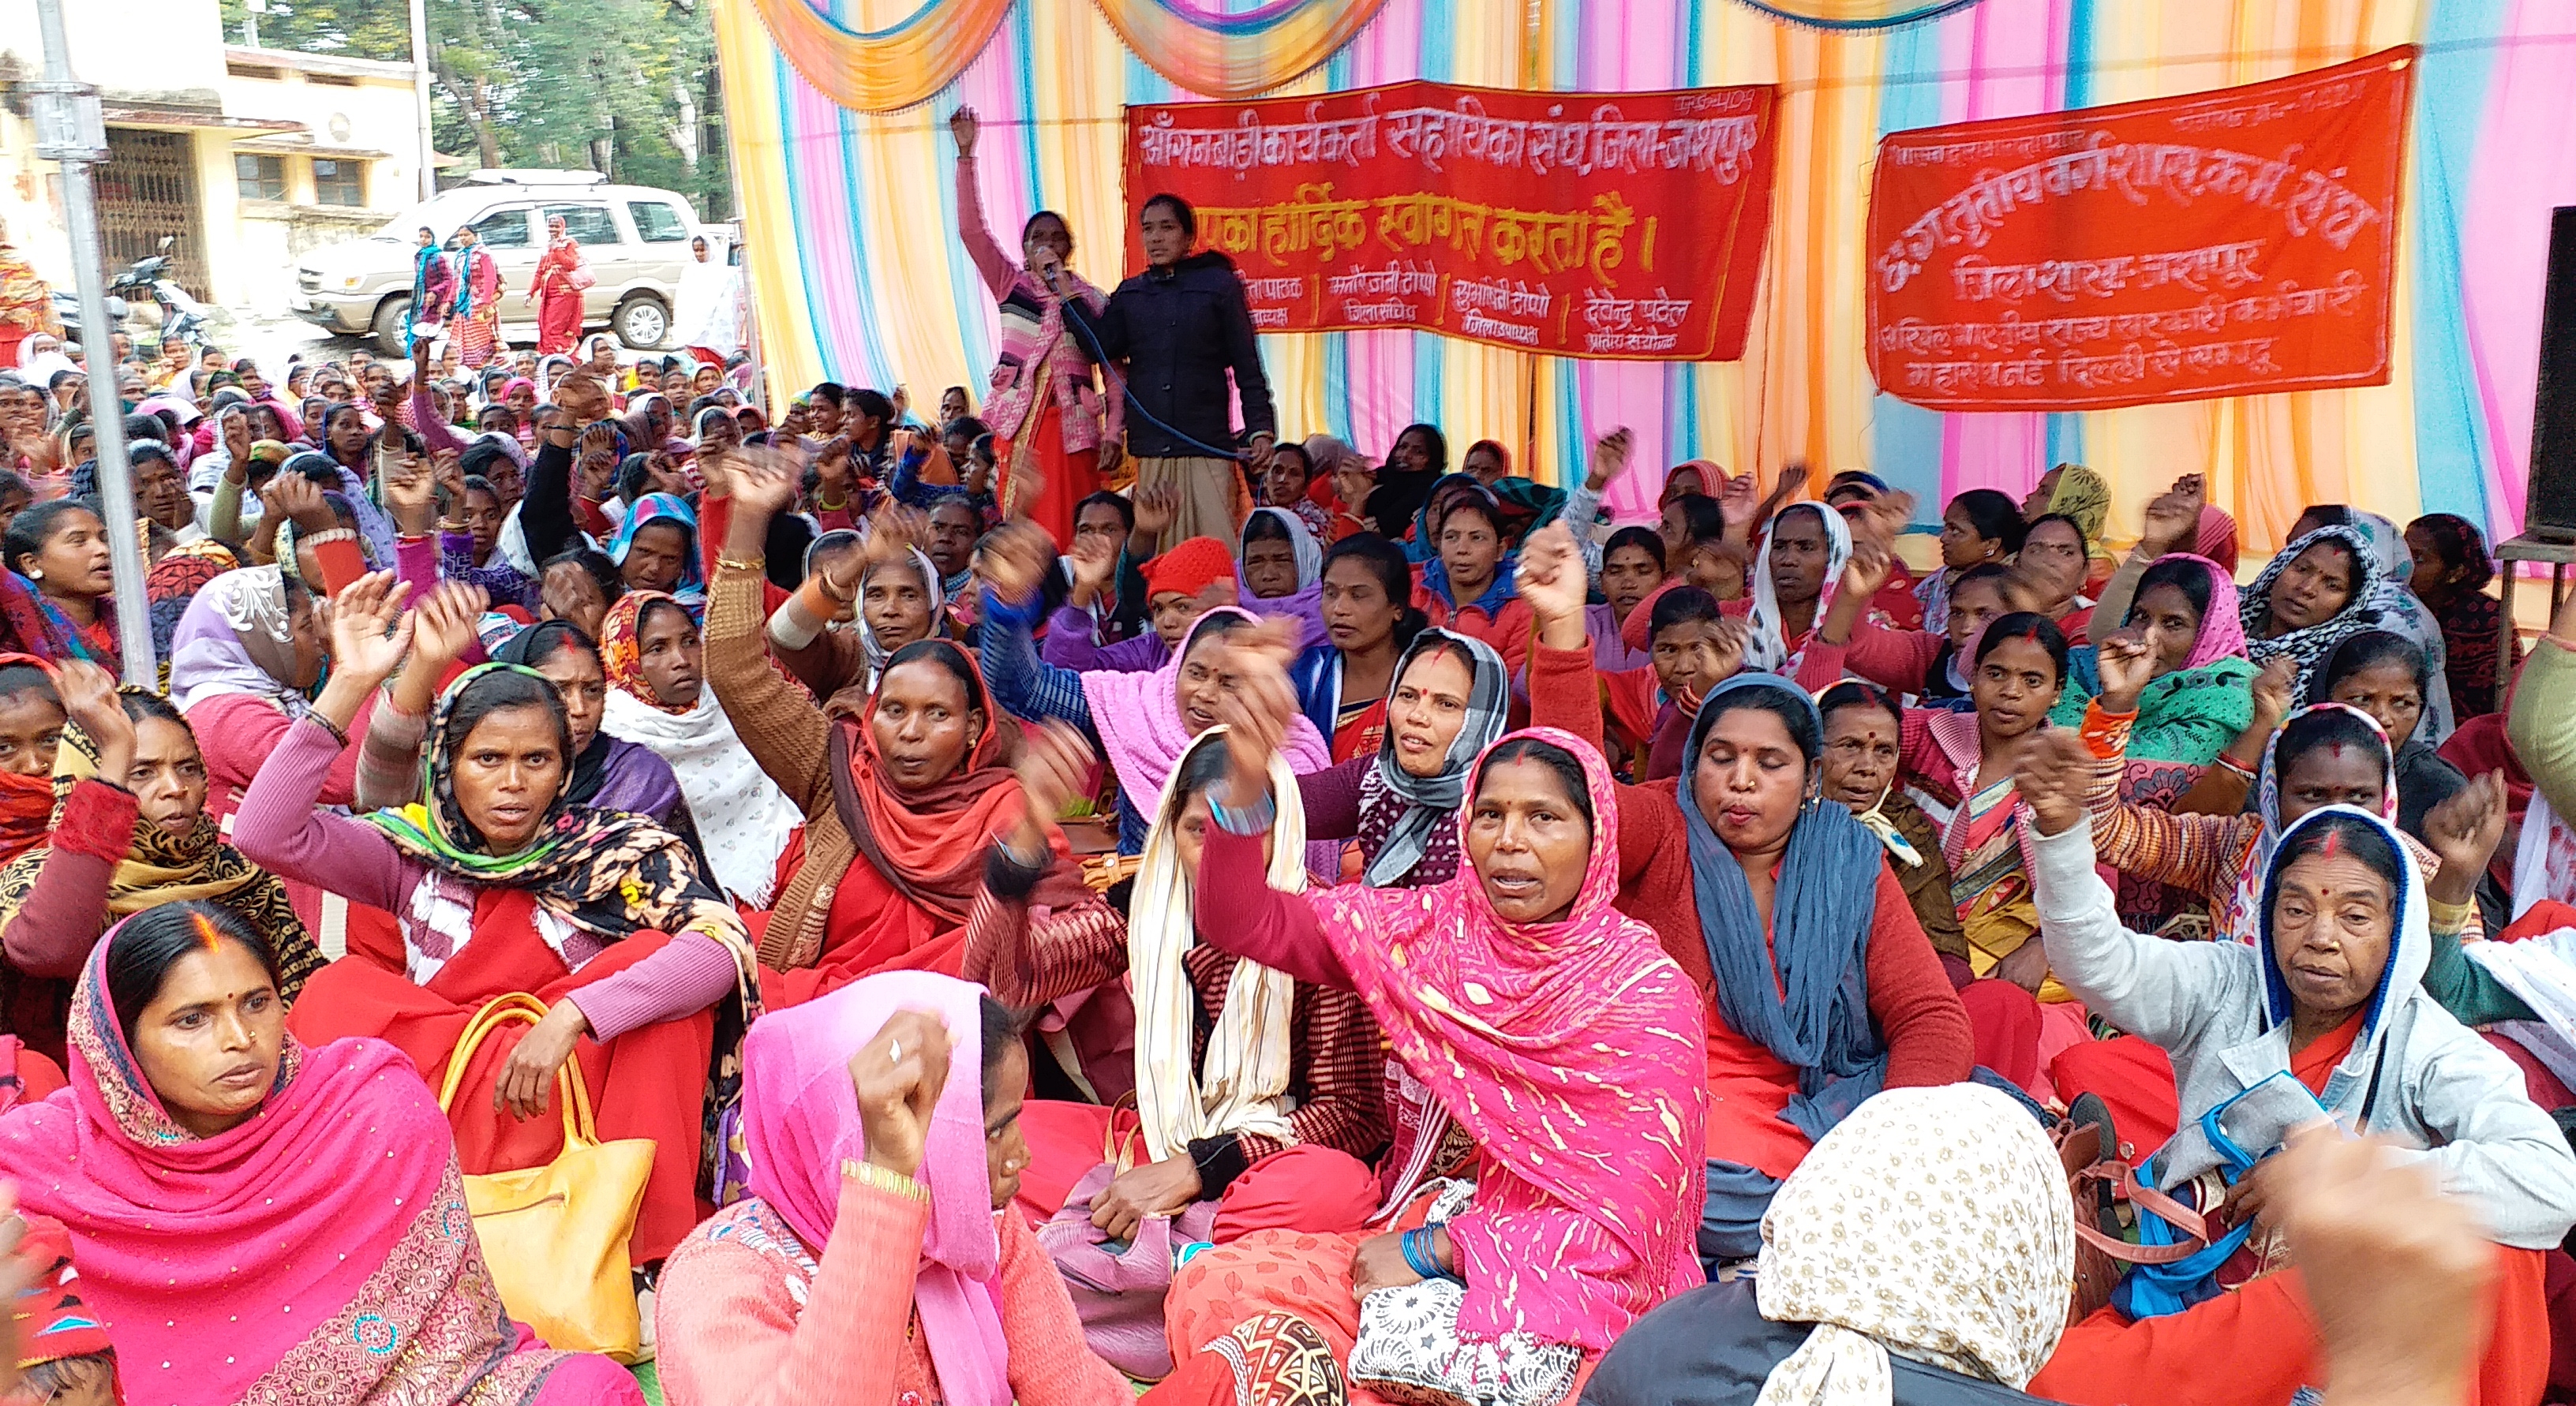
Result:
[
  {"x": 870, "y": 1174},
  {"x": 759, "y": 563}
]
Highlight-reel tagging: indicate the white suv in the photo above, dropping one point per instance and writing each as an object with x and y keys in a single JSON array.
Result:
[{"x": 635, "y": 238}]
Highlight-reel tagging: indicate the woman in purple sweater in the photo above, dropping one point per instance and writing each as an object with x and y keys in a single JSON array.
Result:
[{"x": 494, "y": 883}]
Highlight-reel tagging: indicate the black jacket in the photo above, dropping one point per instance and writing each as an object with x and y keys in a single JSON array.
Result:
[{"x": 1180, "y": 331}]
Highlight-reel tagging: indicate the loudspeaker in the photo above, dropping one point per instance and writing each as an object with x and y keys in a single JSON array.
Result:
[{"x": 2549, "y": 508}]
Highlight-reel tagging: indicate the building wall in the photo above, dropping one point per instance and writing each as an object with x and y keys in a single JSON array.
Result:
[
  {"x": 186, "y": 72},
  {"x": 346, "y": 107}
]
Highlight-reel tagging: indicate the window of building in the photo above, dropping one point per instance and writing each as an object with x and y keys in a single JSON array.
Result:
[
  {"x": 252, "y": 70},
  {"x": 657, "y": 223},
  {"x": 339, "y": 182},
  {"x": 504, "y": 229},
  {"x": 261, "y": 177},
  {"x": 587, "y": 224},
  {"x": 331, "y": 80}
]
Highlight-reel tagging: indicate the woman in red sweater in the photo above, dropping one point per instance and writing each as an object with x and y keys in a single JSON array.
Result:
[
  {"x": 869, "y": 1265},
  {"x": 1821, "y": 991}
]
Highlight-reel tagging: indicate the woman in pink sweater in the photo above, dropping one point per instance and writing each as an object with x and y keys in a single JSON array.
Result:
[{"x": 874, "y": 1264}]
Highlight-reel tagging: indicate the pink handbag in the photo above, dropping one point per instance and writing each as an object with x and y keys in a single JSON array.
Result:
[{"x": 1118, "y": 1291}]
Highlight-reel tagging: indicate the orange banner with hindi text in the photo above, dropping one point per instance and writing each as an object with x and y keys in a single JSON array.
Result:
[
  {"x": 2237, "y": 242},
  {"x": 1614, "y": 225}
]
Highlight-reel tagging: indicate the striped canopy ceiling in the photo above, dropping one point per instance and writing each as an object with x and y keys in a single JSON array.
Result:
[{"x": 848, "y": 192}]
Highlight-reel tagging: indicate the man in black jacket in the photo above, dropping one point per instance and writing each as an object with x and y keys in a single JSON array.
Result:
[{"x": 1176, "y": 330}]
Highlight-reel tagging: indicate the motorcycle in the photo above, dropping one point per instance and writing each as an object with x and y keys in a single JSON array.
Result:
[{"x": 183, "y": 318}]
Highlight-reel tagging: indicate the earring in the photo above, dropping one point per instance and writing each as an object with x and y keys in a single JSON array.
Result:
[{"x": 36, "y": 575}]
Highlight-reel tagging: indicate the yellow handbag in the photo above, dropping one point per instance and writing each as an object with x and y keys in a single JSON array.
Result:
[{"x": 556, "y": 1236}]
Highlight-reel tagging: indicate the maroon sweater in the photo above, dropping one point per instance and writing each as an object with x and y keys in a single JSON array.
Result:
[{"x": 1910, "y": 998}]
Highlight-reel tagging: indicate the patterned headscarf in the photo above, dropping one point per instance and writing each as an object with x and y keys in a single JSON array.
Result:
[
  {"x": 608, "y": 872},
  {"x": 173, "y": 582},
  {"x": 621, "y": 647},
  {"x": 53, "y": 1322},
  {"x": 2373, "y": 605},
  {"x": 236, "y": 636},
  {"x": 160, "y": 867},
  {"x": 2082, "y": 496},
  {"x": 1933, "y": 1224}
]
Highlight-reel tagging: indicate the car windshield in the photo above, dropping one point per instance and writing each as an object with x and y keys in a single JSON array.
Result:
[{"x": 448, "y": 209}]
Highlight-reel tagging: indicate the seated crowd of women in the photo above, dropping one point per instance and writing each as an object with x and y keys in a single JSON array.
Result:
[{"x": 1464, "y": 962}]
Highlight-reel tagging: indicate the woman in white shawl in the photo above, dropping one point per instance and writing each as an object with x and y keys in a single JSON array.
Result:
[
  {"x": 1254, "y": 1092},
  {"x": 659, "y": 698}
]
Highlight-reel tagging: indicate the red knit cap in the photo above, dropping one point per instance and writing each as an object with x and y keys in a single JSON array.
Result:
[{"x": 1189, "y": 568}]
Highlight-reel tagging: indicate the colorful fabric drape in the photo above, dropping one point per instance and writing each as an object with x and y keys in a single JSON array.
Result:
[
  {"x": 859, "y": 296},
  {"x": 1219, "y": 54}
]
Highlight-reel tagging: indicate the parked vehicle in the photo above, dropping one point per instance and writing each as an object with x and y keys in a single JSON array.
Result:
[
  {"x": 183, "y": 318},
  {"x": 635, "y": 238}
]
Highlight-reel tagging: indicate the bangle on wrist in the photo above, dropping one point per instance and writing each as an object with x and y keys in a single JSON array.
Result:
[
  {"x": 734, "y": 563},
  {"x": 1422, "y": 1255},
  {"x": 870, "y": 1174}
]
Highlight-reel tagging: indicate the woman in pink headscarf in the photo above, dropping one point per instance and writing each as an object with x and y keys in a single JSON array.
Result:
[
  {"x": 1559, "y": 1039},
  {"x": 870, "y": 1264},
  {"x": 255, "y": 1218}
]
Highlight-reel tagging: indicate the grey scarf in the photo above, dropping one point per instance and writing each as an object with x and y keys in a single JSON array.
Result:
[{"x": 1433, "y": 801}]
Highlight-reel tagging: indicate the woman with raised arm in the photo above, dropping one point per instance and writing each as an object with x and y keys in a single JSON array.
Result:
[
  {"x": 1564, "y": 1044},
  {"x": 1143, "y": 721},
  {"x": 2324, "y": 1011},
  {"x": 901, "y": 787},
  {"x": 875, "y": 1260},
  {"x": 1054, "y": 434},
  {"x": 497, "y": 884},
  {"x": 129, "y": 831},
  {"x": 1816, "y": 989}
]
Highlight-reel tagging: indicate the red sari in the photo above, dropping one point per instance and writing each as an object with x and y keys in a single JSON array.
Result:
[
  {"x": 369, "y": 993},
  {"x": 558, "y": 300},
  {"x": 1065, "y": 477}
]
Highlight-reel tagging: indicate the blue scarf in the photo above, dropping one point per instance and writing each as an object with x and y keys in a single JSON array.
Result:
[
  {"x": 1821, "y": 916},
  {"x": 465, "y": 281}
]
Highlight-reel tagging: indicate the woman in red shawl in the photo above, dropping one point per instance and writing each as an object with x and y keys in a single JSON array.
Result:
[
  {"x": 902, "y": 789},
  {"x": 561, "y": 276}
]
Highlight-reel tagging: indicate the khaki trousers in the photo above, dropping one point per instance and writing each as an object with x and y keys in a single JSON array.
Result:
[{"x": 1214, "y": 501}]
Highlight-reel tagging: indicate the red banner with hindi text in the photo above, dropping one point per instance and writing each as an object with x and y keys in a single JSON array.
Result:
[
  {"x": 2237, "y": 242},
  {"x": 1613, "y": 225}
]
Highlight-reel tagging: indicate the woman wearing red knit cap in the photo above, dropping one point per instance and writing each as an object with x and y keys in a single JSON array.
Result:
[
  {"x": 1181, "y": 585},
  {"x": 1142, "y": 722}
]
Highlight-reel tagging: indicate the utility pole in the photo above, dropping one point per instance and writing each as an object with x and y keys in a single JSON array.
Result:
[
  {"x": 428, "y": 153},
  {"x": 70, "y": 129}
]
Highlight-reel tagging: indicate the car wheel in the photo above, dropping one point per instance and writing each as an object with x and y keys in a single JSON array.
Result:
[
  {"x": 393, "y": 319},
  {"x": 641, "y": 322}
]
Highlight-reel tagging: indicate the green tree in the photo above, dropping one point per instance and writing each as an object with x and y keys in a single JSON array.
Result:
[{"x": 628, "y": 88}]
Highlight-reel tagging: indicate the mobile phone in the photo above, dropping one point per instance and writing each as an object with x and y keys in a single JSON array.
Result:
[{"x": 2255, "y": 1122}]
